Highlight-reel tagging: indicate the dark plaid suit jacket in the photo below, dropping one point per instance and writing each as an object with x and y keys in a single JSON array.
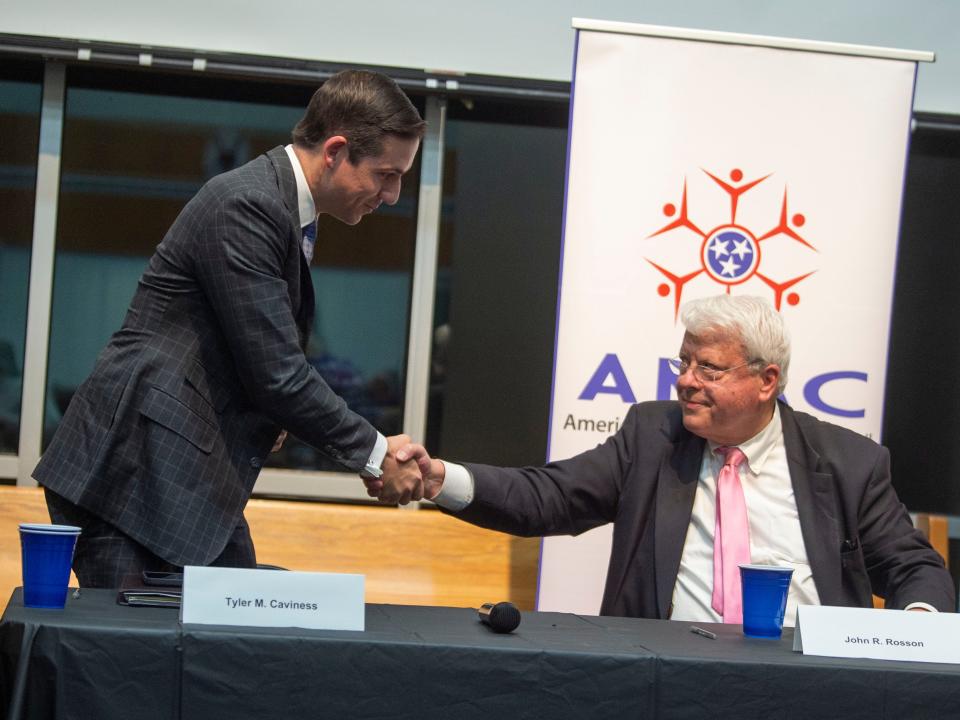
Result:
[
  {"x": 166, "y": 437},
  {"x": 857, "y": 535}
]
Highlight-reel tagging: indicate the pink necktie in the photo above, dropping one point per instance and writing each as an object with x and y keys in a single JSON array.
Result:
[{"x": 731, "y": 539}]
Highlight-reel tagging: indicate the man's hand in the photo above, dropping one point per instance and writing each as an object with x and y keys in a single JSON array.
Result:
[
  {"x": 401, "y": 481},
  {"x": 433, "y": 471}
]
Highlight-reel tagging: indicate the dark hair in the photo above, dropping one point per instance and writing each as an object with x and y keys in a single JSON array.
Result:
[{"x": 362, "y": 106}]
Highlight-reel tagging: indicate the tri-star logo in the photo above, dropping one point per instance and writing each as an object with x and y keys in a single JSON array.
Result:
[{"x": 730, "y": 253}]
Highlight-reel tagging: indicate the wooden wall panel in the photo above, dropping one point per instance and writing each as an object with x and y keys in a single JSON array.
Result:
[
  {"x": 17, "y": 505},
  {"x": 409, "y": 557}
]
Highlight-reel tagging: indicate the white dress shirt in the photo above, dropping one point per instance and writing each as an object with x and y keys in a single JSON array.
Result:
[
  {"x": 775, "y": 536},
  {"x": 305, "y": 203}
]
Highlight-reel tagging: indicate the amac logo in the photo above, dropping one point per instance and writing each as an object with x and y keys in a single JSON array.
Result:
[
  {"x": 610, "y": 379},
  {"x": 730, "y": 253}
]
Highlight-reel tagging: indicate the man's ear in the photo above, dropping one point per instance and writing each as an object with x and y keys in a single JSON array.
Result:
[
  {"x": 334, "y": 149},
  {"x": 769, "y": 378}
]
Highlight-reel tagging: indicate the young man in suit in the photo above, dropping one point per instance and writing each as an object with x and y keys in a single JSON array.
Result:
[
  {"x": 160, "y": 447},
  {"x": 726, "y": 475}
]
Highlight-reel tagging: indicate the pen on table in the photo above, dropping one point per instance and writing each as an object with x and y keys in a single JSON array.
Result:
[{"x": 700, "y": 631}]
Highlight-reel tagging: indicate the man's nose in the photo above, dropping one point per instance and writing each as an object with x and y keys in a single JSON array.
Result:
[
  {"x": 687, "y": 379},
  {"x": 390, "y": 192}
]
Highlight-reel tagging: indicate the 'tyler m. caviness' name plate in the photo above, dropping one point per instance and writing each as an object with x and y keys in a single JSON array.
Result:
[{"x": 272, "y": 598}]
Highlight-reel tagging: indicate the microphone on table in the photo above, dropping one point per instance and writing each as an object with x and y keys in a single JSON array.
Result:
[{"x": 502, "y": 617}]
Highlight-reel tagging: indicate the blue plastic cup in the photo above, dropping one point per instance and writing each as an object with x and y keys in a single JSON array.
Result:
[
  {"x": 46, "y": 556},
  {"x": 765, "y": 589}
]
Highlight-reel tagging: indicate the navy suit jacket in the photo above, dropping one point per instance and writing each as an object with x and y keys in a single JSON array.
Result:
[
  {"x": 166, "y": 437},
  {"x": 858, "y": 536}
]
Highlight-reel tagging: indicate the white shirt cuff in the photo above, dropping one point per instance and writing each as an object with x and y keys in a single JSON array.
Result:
[
  {"x": 457, "y": 490},
  {"x": 379, "y": 452},
  {"x": 923, "y": 605}
]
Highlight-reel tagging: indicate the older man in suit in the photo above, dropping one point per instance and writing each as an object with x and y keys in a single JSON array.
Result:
[
  {"x": 160, "y": 448},
  {"x": 727, "y": 475}
]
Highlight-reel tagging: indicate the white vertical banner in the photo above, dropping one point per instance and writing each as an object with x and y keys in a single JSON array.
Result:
[{"x": 704, "y": 163}]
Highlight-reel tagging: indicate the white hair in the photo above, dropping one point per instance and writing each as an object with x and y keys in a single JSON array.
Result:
[{"x": 751, "y": 320}]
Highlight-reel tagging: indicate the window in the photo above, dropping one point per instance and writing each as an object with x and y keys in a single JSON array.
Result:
[
  {"x": 496, "y": 295},
  {"x": 921, "y": 423},
  {"x": 136, "y": 148},
  {"x": 20, "y": 96}
]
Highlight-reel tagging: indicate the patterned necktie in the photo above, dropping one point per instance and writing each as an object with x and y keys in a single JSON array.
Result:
[
  {"x": 731, "y": 539},
  {"x": 309, "y": 238}
]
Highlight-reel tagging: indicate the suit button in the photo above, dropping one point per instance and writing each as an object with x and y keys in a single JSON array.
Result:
[{"x": 255, "y": 462}]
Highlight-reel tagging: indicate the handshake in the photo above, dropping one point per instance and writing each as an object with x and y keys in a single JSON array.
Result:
[{"x": 409, "y": 473}]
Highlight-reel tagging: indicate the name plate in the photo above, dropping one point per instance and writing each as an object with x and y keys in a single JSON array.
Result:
[
  {"x": 272, "y": 598},
  {"x": 878, "y": 634}
]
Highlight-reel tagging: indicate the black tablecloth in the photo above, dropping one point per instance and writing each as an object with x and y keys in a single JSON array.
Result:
[{"x": 100, "y": 660}]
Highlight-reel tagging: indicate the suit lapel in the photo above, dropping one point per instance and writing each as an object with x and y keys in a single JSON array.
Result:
[
  {"x": 816, "y": 507},
  {"x": 287, "y": 182},
  {"x": 676, "y": 488}
]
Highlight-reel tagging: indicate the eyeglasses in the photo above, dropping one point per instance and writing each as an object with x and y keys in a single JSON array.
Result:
[{"x": 706, "y": 373}]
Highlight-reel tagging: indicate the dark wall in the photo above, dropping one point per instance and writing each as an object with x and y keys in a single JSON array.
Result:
[
  {"x": 503, "y": 299},
  {"x": 922, "y": 419}
]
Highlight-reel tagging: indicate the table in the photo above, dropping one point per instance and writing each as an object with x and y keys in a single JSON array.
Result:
[{"x": 99, "y": 660}]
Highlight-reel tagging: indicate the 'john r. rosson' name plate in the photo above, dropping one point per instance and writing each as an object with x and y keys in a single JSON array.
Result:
[{"x": 879, "y": 634}]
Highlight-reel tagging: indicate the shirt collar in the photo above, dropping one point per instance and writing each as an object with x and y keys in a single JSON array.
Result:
[
  {"x": 305, "y": 204},
  {"x": 758, "y": 448}
]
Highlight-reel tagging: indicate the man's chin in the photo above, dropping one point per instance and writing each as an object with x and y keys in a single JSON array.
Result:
[
  {"x": 348, "y": 216},
  {"x": 693, "y": 418}
]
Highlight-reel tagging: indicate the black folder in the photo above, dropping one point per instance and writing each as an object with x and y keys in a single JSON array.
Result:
[{"x": 151, "y": 589}]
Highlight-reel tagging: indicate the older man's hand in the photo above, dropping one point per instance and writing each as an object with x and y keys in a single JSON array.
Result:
[{"x": 432, "y": 470}]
